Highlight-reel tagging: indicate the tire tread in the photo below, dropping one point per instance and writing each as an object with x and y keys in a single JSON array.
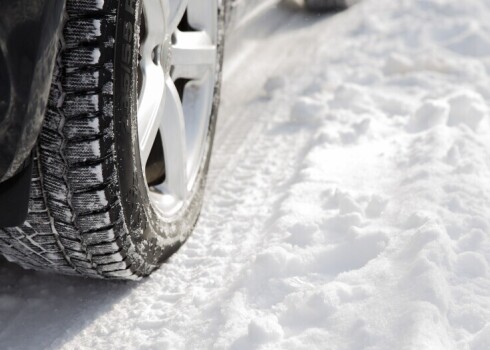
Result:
[{"x": 74, "y": 222}]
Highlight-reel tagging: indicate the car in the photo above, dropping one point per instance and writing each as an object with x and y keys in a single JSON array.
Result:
[{"x": 107, "y": 115}]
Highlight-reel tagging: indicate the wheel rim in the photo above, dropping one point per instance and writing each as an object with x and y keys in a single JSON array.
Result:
[{"x": 177, "y": 76}]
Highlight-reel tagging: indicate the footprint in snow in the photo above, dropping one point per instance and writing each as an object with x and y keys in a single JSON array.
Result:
[
  {"x": 308, "y": 110},
  {"x": 471, "y": 241},
  {"x": 429, "y": 115},
  {"x": 467, "y": 108},
  {"x": 273, "y": 85},
  {"x": 474, "y": 43},
  {"x": 352, "y": 254},
  {"x": 482, "y": 340},
  {"x": 471, "y": 265}
]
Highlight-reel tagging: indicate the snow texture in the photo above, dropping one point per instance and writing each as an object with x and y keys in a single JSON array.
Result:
[{"x": 348, "y": 201}]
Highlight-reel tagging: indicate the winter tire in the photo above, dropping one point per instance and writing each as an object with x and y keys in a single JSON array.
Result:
[{"x": 121, "y": 162}]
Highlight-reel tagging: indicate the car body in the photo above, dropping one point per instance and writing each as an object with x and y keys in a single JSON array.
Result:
[{"x": 28, "y": 38}]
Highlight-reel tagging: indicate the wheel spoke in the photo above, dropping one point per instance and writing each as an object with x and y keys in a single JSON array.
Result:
[
  {"x": 148, "y": 107},
  {"x": 201, "y": 16},
  {"x": 152, "y": 76},
  {"x": 154, "y": 12},
  {"x": 172, "y": 131},
  {"x": 176, "y": 10},
  {"x": 193, "y": 54}
]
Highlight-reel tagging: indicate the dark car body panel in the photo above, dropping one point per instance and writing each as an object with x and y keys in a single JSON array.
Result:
[
  {"x": 28, "y": 46},
  {"x": 28, "y": 39}
]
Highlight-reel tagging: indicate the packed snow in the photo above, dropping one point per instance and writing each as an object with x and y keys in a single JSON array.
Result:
[{"x": 348, "y": 204}]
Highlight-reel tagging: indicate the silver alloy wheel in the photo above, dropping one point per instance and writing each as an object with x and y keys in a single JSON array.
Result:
[{"x": 178, "y": 75}]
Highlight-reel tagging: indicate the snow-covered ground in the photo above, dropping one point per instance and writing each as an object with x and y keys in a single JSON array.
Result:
[{"x": 348, "y": 205}]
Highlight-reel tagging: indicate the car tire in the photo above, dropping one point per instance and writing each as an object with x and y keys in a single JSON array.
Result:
[
  {"x": 325, "y": 5},
  {"x": 91, "y": 211}
]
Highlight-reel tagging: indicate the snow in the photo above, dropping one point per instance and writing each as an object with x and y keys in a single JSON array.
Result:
[
  {"x": 347, "y": 205},
  {"x": 95, "y": 55},
  {"x": 100, "y": 4}
]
